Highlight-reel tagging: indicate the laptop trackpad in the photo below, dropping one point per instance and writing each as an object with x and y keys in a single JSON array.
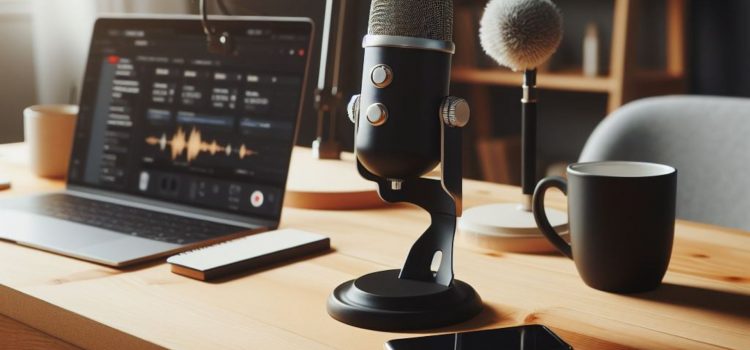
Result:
[
  {"x": 125, "y": 249},
  {"x": 75, "y": 239},
  {"x": 23, "y": 227}
]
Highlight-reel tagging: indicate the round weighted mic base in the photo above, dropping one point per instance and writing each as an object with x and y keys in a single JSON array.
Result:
[{"x": 383, "y": 301}]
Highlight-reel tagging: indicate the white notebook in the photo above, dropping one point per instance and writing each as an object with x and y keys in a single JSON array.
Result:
[{"x": 246, "y": 253}]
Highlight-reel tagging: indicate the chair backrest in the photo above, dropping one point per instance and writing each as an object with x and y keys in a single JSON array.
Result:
[{"x": 707, "y": 139}]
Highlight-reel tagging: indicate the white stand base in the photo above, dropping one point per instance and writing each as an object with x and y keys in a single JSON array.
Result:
[
  {"x": 311, "y": 186},
  {"x": 508, "y": 227}
]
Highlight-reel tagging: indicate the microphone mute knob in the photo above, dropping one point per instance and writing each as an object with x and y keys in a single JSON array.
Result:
[{"x": 455, "y": 112}]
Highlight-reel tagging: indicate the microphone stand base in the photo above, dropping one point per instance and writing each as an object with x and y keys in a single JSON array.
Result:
[
  {"x": 383, "y": 301},
  {"x": 326, "y": 149},
  {"x": 508, "y": 227},
  {"x": 310, "y": 186}
]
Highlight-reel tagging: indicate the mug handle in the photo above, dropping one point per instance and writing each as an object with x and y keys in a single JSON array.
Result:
[{"x": 541, "y": 217}]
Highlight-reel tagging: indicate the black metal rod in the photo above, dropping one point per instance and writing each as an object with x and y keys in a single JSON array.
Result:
[
  {"x": 328, "y": 94},
  {"x": 528, "y": 132}
]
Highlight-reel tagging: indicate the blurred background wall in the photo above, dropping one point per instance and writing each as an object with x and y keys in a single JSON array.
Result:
[
  {"x": 17, "y": 76},
  {"x": 43, "y": 46},
  {"x": 720, "y": 47}
]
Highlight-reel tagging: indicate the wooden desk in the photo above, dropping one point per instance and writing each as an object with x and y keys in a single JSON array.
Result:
[{"x": 52, "y": 301}]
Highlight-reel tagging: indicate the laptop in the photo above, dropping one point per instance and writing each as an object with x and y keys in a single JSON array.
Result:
[{"x": 175, "y": 147}]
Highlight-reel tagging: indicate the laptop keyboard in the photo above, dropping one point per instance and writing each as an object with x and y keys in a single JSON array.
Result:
[{"x": 131, "y": 221}]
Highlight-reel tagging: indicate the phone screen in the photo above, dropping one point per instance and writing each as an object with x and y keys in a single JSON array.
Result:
[{"x": 529, "y": 337}]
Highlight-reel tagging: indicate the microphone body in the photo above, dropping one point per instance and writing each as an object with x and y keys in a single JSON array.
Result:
[
  {"x": 406, "y": 76},
  {"x": 407, "y": 143}
]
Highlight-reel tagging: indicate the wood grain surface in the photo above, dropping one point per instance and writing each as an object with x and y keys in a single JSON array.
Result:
[
  {"x": 16, "y": 335},
  {"x": 704, "y": 302}
]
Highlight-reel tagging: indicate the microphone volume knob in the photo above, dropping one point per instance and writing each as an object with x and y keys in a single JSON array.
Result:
[
  {"x": 377, "y": 114},
  {"x": 455, "y": 111},
  {"x": 352, "y": 108}
]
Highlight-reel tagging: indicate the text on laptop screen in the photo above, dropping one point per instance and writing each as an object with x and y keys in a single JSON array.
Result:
[{"x": 161, "y": 117}]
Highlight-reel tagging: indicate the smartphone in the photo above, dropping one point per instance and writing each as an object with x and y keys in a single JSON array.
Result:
[{"x": 527, "y": 337}]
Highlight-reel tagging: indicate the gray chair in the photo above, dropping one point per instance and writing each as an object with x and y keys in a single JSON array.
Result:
[{"x": 706, "y": 138}]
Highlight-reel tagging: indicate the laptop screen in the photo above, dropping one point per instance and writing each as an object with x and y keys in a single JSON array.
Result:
[{"x": 162, "y": 117}]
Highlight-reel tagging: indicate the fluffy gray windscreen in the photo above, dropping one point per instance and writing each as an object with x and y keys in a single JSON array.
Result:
[
  {"x": 431, "y": 19},
  {"x": 520, "y": 34}
]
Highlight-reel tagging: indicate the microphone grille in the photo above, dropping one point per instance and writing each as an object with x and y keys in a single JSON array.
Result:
[
  {"x": 430, "y": 19},
  {"x": 520, "y": 34}
]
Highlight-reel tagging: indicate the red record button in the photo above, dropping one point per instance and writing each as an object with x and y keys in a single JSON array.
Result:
[{"x": 256, "y": 199}]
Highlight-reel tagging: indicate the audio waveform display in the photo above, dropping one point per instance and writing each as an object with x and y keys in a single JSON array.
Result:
[{"x": 193, "y": 145}]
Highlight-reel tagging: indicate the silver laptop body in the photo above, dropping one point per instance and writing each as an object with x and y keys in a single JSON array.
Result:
[{"x": 233, "y": 178}]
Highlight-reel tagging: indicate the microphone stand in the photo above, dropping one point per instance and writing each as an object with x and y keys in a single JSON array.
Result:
[
  {"x": 510, "y": 226},
  {"x": 328, "y": 95},
  {"x": 528, "y": 137},
  {"x": 442, "y": 199},
  {"x": 416, "y": 297},
  {"x": 308, "y": 187}
]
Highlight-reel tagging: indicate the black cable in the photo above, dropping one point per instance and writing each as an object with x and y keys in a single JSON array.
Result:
[
  {"x": 219, "y": 43},
  {"x": 204, "y": 18}
]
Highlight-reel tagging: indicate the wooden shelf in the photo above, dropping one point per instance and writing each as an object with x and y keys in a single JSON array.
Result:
[{"x": 556, "y": 81}]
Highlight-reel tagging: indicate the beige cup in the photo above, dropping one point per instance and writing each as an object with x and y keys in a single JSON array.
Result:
[{"x": 48, "y": 131}]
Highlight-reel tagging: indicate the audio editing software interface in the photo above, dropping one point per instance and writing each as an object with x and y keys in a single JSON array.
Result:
[{"x": 171, "y": 121}]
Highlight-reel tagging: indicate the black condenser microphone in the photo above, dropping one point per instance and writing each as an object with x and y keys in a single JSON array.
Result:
[
  {"x": 407, "y": 124},
  {"x": 406, "y": 75}
]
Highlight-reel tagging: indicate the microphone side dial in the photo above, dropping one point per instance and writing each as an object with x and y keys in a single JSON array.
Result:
[{"x": 407, "y": 143}]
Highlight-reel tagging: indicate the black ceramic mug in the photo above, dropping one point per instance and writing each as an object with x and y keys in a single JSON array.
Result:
[{"x": 621, "y": 217}]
